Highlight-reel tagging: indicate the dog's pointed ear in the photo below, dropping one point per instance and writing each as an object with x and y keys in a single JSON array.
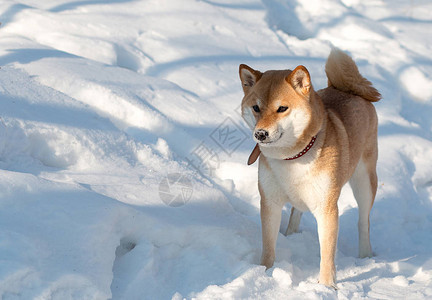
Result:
[
  {"x": 300, "y": 80},
  {"x": 249, "y": 77}
]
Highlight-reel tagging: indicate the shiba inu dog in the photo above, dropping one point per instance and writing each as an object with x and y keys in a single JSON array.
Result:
[{"x": 310, "y": 143}]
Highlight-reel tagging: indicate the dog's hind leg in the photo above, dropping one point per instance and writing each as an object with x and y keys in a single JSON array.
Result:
[
  {"x": 364, "y": 185},
  {"x": 294, "y": 221}
]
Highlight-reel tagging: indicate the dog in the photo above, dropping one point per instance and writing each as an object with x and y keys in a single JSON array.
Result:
[{"x": 310, "y": 143}]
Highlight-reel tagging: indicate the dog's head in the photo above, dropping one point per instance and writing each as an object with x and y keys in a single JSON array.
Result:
[{"x": 279, "y": 106}]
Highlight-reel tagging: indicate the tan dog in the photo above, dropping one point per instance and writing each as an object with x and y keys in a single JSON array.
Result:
[{"x": 311, "y": 144}]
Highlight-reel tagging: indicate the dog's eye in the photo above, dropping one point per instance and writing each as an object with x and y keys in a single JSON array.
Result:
[
  {"x": 256, "y": 108},
  {"x": 282, "y": 109}
]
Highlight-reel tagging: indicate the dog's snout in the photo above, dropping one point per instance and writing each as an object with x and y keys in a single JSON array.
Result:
[{"x": 261, "y": 134}]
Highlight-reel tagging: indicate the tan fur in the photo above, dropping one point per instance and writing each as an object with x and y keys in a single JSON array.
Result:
[
  {"x": 345, "y": 123},
  {"x": 342, "y": 73}
]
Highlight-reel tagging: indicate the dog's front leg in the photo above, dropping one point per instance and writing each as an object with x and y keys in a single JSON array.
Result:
[
  {"x": 270, "y": 221},
  {"x": 327, "y": 220}
]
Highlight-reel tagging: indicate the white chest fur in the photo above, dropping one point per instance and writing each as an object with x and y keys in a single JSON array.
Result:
[{"x": 297, "y": 182}]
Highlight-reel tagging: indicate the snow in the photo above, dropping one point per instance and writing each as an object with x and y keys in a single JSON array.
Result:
[{"x": 107, "y": 107}]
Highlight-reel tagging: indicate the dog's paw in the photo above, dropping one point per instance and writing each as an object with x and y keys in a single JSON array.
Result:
[
  {"x": 267, "y": 261},
  {"x": 328, "y": 280},
  {"x": 330, "y": 285},
  {"x": 365, "y": 250},
  {"x": 366, "y": 253}
]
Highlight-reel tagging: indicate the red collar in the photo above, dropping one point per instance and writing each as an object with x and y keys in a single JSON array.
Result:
[
  {"x": 256, "y": 152},
  {"x": 304, "y": 151}
]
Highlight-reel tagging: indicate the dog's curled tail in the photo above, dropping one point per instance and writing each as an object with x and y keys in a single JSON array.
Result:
[{"x": 343, "y": 74}]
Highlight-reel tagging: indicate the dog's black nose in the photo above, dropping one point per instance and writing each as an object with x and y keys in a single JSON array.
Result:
[{"x": 261, "y": 134}]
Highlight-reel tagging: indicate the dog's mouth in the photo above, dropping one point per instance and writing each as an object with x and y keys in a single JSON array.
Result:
[{"x": 269, "y": 141}]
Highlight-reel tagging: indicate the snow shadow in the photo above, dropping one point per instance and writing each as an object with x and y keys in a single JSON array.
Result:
[
  {"x": 246, "y": 6},
  {"x": 13, "y": 10},
  {"x": 160, "y": 69},
  {"x": 75, "y": 4},
  {"x": 28, "y": 55}
]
